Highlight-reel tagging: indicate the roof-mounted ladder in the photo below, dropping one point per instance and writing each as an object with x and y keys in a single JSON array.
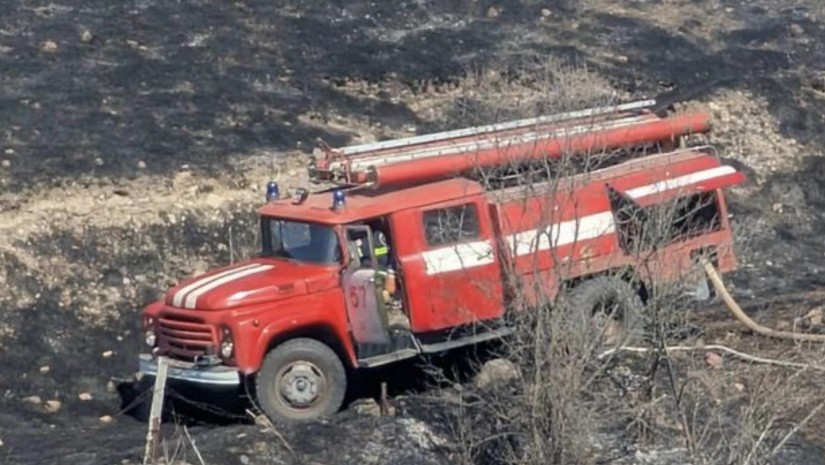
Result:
[{"x": 445, "y": 154}]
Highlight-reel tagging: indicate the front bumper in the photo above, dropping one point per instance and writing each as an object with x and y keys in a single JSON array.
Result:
[{"x": 216, "y": 375}]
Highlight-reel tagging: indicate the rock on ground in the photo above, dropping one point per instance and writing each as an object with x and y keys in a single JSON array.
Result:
[{"x": 496, "y": 371}]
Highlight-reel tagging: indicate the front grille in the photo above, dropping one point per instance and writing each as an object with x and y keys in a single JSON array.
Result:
[{"x": 185, "y": 338}]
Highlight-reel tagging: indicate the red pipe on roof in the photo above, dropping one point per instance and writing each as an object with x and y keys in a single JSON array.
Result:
[{"x": 657, "y": 130}]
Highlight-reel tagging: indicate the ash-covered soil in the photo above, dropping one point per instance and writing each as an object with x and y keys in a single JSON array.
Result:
[{"x": 135, "y": 135}]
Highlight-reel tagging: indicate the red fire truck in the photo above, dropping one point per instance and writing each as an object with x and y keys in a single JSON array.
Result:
[{"x": 411, "y": 252}]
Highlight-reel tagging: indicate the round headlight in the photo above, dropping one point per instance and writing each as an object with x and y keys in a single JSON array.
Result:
[
  {"x": 151, "y": 338},
  {"x": 227, "y": 348}
]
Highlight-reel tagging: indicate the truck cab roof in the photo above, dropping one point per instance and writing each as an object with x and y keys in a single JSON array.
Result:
[{"x": 365, "y": 203}]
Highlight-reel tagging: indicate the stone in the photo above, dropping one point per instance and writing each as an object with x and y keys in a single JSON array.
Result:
[
  {"x": 141, "y": 165},
  {"x": 107, "y": 354},
  {"x": 48, "y": 46},
  {"x": 84, "y": 396},
  {"x": 53, "y": 405},
  {"x": 106, "y": 419},
  {"x": 367, "y": 407},
  {"x": 796, "y": 30},
  {"x": 86, "y": 36},
  {"x": 493, "y": 12},
  {"x": 496, "y": 371},
  {"x": 5, "y": 163},
  {"x": 33, "y": 399},
  {"x": 545, "y": 12},
  {"x": 44, "y": 369}
]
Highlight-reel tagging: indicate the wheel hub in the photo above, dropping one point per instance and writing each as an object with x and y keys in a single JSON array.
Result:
[
  {"x": 301, "y": 384},
  {"x": 608, "y": 322}
]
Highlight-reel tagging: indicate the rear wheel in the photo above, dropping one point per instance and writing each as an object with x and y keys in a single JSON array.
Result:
[
  {"x": 301, "y": 379},
  {"x": 609, "y": 309}
]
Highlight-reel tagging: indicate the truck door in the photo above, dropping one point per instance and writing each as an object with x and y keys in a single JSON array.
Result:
[
  {"x": 449, "y": 264},
  {"x": 367, "y": 323}
]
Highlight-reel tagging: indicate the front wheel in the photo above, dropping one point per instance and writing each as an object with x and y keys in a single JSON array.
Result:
[{"x": 300, "y": 380}]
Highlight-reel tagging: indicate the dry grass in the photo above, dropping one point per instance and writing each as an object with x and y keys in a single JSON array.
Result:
[{"x": 568, "y": 396}]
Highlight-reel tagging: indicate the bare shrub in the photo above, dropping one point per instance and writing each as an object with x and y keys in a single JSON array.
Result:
[
  {"x": 548, "y": 415},
  {"x": 577, "y": 385}
]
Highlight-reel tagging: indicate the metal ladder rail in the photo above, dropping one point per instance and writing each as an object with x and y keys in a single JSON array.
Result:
[
  {"x": 332, "y": 155},
  {"x": 492, "y": 128},
  {"x": 472, "y": 146}
]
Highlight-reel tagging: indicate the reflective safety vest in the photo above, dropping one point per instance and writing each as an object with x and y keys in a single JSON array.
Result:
[{"x": 381, "y": 247}]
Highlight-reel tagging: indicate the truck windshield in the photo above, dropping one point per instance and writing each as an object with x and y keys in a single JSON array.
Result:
[{"x": 300, "y": 241}]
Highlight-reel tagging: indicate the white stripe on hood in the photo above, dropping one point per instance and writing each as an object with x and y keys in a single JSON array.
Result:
[
  {"x": 177, "y": 300},
  {"x": 192, "y": 298}
]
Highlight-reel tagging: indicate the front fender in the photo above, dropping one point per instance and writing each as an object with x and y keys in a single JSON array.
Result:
[{"x": 321, "y": 315}]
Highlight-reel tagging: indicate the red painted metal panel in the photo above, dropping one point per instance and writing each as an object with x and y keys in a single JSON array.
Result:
[
  {"x": 577, "y": 223},
  {"x": 448, "y": 293}
]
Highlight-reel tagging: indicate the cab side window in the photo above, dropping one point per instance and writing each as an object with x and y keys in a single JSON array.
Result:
[{"x": 451, "y": 225}]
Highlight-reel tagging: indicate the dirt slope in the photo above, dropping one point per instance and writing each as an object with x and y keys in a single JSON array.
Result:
[{"x": 133, "y": 135}]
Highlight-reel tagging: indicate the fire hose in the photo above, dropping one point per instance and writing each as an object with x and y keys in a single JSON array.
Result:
[{"x": 743, "y": 318}]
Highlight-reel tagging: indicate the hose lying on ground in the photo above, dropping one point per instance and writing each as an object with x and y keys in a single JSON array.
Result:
[{"x": 740, "y": 315}]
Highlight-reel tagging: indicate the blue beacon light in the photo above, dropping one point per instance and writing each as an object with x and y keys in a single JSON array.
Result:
[
  {"x": 339, "y": 199},
  {"x": 272, "y": 191}
]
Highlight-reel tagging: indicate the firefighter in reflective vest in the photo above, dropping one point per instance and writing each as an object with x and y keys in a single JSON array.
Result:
[
  {"x": 381, "y": 250},
  {"x": 384, "y": 275},
  {"x": 385, "y": 284}
]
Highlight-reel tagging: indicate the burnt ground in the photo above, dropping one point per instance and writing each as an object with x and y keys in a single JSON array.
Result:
[{"x": 133, "y": 135}]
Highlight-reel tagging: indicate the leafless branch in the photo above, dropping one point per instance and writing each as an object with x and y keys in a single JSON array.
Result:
[{"x": 711, "y": 347}]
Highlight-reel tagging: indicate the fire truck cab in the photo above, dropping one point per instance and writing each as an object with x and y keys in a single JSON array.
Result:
[{"x": 401, "y": 258}]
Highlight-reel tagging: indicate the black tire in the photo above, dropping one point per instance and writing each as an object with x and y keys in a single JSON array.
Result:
[
  {"x": 301, "y": 380},
  {"x": 603, "y": 301}
]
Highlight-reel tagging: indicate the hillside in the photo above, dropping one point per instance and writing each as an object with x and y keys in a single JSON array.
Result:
[{"x": 134, "y": 136}]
